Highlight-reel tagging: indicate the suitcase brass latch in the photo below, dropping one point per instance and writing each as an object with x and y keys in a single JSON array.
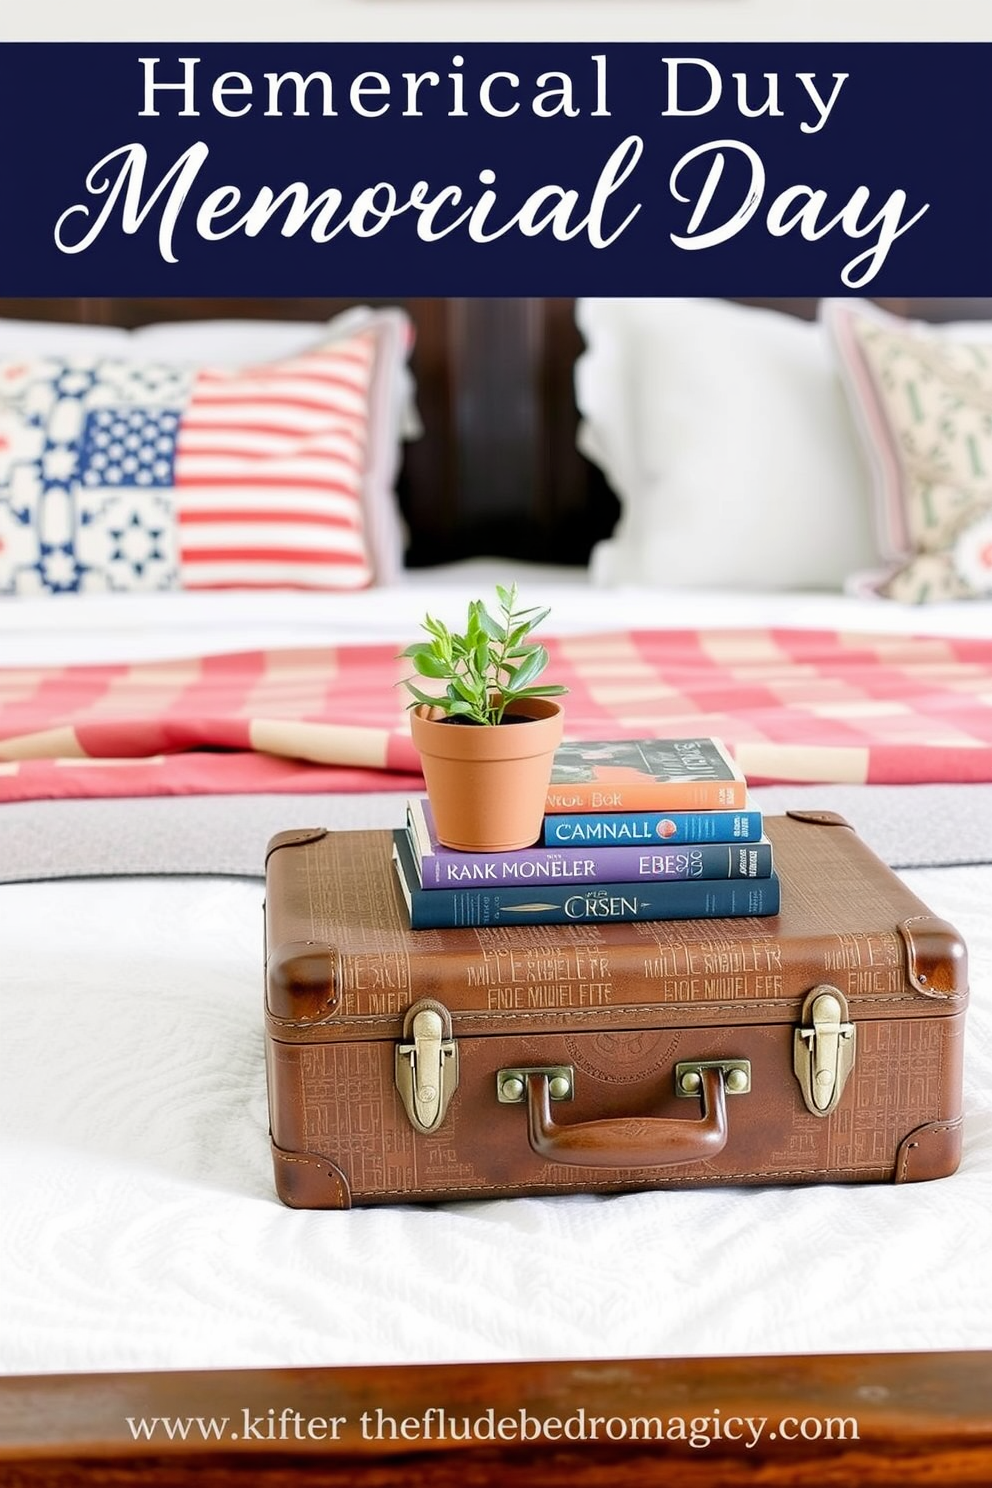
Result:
[
  {"x": 427, "y": 1064},
  {"x": 823, "y": 1049}
]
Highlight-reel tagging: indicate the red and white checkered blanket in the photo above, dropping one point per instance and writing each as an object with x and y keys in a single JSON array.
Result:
[{"x": 793, "y": 705}]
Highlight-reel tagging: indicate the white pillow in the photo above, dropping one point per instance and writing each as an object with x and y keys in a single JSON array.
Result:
[
  {"x": 235, "y": 343},
  {"x": 38, "y": 338},
  {"x": 723, "y": 430}
]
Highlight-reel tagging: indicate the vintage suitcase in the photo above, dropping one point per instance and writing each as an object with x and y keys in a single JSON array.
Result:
[{"x": 821, "y": 1045}]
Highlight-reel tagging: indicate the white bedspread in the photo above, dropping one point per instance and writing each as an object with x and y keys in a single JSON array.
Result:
[{"x": 140, "y": 1227}]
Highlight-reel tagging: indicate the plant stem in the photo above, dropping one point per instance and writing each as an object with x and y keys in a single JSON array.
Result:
[{"x": 501, "y": 663}]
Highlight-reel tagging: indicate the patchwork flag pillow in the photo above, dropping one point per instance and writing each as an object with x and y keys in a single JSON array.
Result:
[
  {"x": 922, "y": 398},
  {"x": 117, "y": 474}
]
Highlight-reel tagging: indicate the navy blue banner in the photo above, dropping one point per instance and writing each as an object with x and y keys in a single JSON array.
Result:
[{"x": 497, "y": 169}]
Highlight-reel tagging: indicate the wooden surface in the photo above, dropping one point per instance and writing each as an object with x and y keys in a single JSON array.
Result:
[{"x": 920, "y": 1419}]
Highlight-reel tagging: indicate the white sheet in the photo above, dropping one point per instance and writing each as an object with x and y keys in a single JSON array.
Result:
[
  {"x": 141, "y": 1230},
  {"x": 136, "y": 627}
]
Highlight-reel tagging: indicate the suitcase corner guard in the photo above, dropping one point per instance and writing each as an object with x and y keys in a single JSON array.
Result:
[
  {"x": 931, "y": 1151},
  {"x": 307, "y": 1180}
]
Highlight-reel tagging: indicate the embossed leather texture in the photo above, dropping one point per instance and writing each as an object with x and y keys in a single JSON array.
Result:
[{"x": 617, "y": 1006}]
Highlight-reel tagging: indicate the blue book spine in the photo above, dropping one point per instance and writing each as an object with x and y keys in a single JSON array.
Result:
[
  {"x": 624, "y": 829},
  {"x": 567, "y": 904},
  {"x": 441, "y": 867}
]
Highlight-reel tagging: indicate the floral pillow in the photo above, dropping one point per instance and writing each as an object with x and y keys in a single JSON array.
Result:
[
  {"x": 922, "y": 397},
  {"x": 118, "y": 473}
]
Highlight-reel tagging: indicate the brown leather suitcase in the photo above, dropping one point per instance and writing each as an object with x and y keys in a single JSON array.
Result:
[{"x": 821, "y": 1045}]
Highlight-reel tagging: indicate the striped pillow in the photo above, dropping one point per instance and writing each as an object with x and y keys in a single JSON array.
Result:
[{"x": 117, "y": 474}]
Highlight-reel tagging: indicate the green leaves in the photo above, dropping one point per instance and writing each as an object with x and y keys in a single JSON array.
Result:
[
  {"x": 426, "y": 663},
  {"x": 487, "y": 667},
  {"x": 533, "y": 664}
]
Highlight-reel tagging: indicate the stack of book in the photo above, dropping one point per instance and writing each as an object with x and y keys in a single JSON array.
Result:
[{"x": 642, "y": 829}]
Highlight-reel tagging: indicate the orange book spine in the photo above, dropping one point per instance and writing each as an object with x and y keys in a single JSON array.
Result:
[{"x": 655, "y": 795}]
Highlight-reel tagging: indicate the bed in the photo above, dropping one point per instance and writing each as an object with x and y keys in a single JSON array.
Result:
[{"x": 147, "y": 1269}]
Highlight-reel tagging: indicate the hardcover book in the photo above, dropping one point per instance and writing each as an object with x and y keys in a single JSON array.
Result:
[
  {"x": 573, "y": 904},
  {"x": 440, "y": 867},
  {"x": 644, "y": 828},
  {"x": 645, "y": 775}
]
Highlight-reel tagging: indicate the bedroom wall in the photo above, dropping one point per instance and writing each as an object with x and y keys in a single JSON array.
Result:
[{"x": 494, "y": 20}]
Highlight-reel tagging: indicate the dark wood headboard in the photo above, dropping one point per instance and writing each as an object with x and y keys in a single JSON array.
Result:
[{"x": 496, "y": 472}]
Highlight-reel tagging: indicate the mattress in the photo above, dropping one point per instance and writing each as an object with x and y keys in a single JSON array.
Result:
[{"x": 142, "y": 1230}]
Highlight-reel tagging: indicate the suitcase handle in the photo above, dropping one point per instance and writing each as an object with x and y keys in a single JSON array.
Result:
[{"x": 628, "y": 1141}]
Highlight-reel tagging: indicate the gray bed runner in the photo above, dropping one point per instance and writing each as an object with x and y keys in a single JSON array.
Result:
[{"x": 908, "y": 826}]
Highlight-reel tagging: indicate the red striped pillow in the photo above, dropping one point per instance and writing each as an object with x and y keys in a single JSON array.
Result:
[
  {"x": 268, "y": 473},
  {"x": 119, "y": 474}
]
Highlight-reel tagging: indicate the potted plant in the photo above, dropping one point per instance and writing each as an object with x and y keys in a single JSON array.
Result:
[{"x": 487, "y": 741}]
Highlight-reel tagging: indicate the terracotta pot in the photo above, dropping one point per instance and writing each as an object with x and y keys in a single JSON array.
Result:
[{"x": 488, "y": 785}]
